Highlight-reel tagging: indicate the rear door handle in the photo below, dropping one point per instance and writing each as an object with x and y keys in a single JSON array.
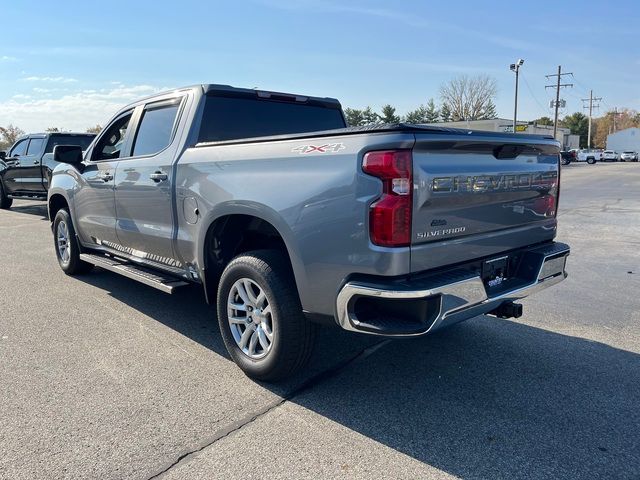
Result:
[{"x": 158, "y": 176}]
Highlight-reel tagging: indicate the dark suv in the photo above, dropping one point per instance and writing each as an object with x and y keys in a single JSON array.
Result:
[
  {"x": 567, "y": 157},
  {"x": 26, "y": 170}
]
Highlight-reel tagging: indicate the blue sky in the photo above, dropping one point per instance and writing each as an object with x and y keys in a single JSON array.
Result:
[{"x": 71, "y": 64}]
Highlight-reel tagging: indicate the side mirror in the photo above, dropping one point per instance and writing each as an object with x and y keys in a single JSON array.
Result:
[
  {"x": 71, "y": 154},
  {"x": 3, "y": 155}
]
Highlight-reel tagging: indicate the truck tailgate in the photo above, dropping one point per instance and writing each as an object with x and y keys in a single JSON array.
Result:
[{"x": 481, "y": 194}]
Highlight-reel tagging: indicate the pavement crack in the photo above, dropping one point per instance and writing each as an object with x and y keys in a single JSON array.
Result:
[{"x": 247, "y": 420}]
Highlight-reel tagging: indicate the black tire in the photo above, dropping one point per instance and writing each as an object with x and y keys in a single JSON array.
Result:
[
  {"x": 591, "y": 161},
  {"x": 5, "y": 202},
  {"x": 292, "y": 334},
  {"x": 70, "y": 262}
]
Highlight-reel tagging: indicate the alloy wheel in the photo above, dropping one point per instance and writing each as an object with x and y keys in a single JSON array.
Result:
[{"x": 250, "y": 318}]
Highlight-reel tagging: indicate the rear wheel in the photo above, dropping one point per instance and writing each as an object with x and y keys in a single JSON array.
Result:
[
  {"x": 591, "y": 160},
  {"x": 67, "y": 246},
  {"x": 5, "y": 202},
  {"x": 260, "y": 316}
]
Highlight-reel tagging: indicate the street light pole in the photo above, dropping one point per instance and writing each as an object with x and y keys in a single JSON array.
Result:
[{"x": 515, "y": 67}]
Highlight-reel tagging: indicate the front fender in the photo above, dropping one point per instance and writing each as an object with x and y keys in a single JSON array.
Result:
[{"x": 64, "y": 182}]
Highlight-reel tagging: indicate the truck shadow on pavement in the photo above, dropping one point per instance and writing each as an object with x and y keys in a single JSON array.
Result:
[
  {"x": 187, "y": 312},
  {"x": 493, "y": 398},
  {"x": 484, "y": 399},
  {"x": 35, "y": 209}
]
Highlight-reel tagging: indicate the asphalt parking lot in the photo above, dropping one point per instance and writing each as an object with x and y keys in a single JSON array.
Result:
[{"x": 101, "y": 377}]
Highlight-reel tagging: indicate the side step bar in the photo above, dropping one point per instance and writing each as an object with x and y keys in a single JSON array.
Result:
[{"x": 162, "y": 282}]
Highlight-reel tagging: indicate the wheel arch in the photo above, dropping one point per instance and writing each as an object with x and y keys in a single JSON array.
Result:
[
  {"x": 234, "y": 231},
  {"x": 55, "y": 202}
]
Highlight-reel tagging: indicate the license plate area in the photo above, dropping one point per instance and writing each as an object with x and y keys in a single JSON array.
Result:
[{"x": 495, "y": 271}]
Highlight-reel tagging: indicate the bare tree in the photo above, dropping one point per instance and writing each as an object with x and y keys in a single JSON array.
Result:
[
  {"x": 9, "y": 136},
  {"x": 470, "y": 98},
  {"x": 96, "y": 129}
]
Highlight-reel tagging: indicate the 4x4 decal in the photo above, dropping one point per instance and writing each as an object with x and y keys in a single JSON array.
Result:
[{"x": 326, "y": 148}]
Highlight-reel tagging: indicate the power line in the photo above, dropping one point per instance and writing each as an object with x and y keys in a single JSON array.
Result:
[
  {"x": 542, "y": 108},
  {"x": 585, "y": 90},
  {"x": 557, "y": 86}
]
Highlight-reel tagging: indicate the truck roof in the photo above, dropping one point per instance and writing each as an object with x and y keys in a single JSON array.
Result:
[
  {"x": 44, "y": 134},
  {"x": 228, "y": 90}
]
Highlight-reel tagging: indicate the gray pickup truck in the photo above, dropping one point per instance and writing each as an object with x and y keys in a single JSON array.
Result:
[
  {"x": 25, "y": 172},
  {"x": 288, "y": 218}
]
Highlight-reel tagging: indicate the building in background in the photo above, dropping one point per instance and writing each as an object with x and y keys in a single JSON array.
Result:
[
  {"x": 627, "y": 140},
  {"x": 563, "y": 135}
]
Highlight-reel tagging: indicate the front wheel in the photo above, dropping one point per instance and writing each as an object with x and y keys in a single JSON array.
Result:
[
  {"x": 591, "y": 161},
  {"x": 5, "y": 202},
  {"x": 260, "y": 316},
  {"x": 67, "y": 246}
]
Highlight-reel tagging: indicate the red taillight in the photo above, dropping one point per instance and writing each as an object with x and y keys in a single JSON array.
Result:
[
  {"x": 390, "y": 215},
  {"x": 545, "y": 205}
]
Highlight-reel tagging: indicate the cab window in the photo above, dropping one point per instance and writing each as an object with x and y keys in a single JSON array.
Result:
[
  {"x": 110, "y": 145},
  {"x": 156, "y": 129},
  {"x": 35, "y": 146},
  {"x": 20, "y": 148}
]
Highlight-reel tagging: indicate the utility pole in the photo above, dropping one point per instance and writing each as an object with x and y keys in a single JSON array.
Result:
[
  {"x": 591, "y": 106},
  {"x": 557, "y": 86},
  {"x": 615, "y": 117},
  {"x": 515, "y": 67}
]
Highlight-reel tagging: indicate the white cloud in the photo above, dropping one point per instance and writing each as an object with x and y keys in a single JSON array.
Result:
[
  {"x": 50, "y": 79},
  {"x": 7, "y": 58},
  {"x": 71, "y": 111}
]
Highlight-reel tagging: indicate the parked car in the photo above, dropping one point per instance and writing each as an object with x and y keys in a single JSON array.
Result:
[
  {"x": 567, "y": 156},
  {"x": 589, "y": 156},
  {"x": 26, "y": 169},
  {"x": 629, "y": 157},
  {"x": 609, "y": 156},
  {"x": 286, "y": 217}
]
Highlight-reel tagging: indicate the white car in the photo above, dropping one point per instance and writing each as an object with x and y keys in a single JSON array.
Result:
[
  {"x": 629, "y": 157},
  {"x": 589, "y": 156},
  {"x": 609, "y": 156}
]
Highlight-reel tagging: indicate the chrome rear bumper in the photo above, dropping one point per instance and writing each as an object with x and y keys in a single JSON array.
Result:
[{"x": 452, "y": 296}]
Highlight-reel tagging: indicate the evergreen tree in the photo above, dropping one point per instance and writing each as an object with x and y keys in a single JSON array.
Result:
[
  {"x": 419, "y": 115},
  {"x": 432, "y": 114},
  {"x": 489, "y": 112},
  {"x": 370, "y": 117},
  {"x": 354, "y": 116},
  {"x": 389, "y": 115},
  {"x": 445, "y": 113}
]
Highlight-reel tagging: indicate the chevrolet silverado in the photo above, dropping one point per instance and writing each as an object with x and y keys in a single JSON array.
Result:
[{"x": 288, "y": 218}]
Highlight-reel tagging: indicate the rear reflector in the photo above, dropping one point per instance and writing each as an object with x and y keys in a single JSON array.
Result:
[{"x": 390, "y": 215}]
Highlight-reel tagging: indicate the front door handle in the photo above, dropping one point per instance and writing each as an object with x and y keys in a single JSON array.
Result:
[
  {"x": 36, "y": 162},
  {"x": 105, "y": 177},
  {"x": 158, "y": 176}
]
